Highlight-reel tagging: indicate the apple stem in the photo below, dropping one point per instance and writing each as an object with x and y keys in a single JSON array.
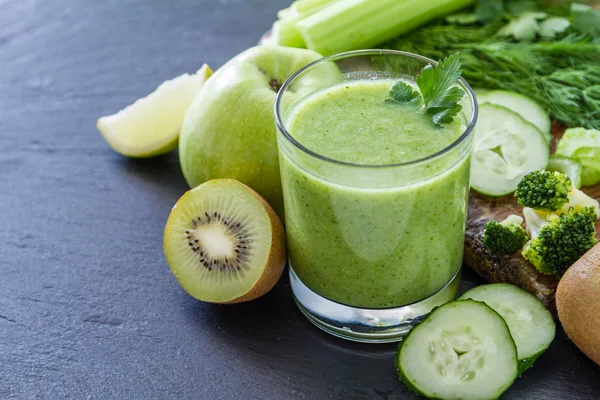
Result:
[{"x": 275, "y": 85}]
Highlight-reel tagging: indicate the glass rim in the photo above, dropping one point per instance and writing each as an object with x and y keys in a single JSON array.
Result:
[{"x": 281, "y": 126}]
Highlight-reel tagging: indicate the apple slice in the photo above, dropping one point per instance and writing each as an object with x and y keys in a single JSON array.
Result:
[{"x": 150, "y": 126}]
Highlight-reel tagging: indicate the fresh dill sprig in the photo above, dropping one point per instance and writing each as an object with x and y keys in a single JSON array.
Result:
[{"x": 562, "y": 75}]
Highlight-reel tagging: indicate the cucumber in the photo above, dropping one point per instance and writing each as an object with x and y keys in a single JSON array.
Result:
[
  {"x": 522, "y": 105},
  {"x": 590, "y": 176},
  {"x": 566, "y": 166},
  {"x": 506, "y": 148},
  {"x": 480, "y": 92},
  {"x": 462, "y": 350},
  {"x": 531, "y": 324}
]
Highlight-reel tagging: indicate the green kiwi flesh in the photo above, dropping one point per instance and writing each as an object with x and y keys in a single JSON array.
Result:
[{"x": 224, "y": 243}]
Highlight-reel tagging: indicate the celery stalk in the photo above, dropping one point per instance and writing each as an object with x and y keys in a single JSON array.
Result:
[
  {"x": 285, "y": 13},
  {"x": 302, "y": 6},
  {"x": 285, "y": 33},
  {"x": 358, "y": 24}
]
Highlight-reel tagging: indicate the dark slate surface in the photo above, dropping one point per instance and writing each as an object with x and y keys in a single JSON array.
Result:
[{"x": 88, "y": 307}]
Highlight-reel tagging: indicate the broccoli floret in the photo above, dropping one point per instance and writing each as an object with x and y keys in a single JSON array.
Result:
[
  {"x": 544, "y": 190},
  {"x": 504, "y": 237},
  {"x": 559, "y": 239},
  {"x": 579, "y": 200}
]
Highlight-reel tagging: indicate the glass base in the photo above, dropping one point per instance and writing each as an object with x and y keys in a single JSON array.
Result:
[{"x": 363, "y": 324}]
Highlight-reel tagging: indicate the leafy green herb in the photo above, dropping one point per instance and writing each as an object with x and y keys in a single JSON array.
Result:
[
  {"x": 489, "y": 10},
  {"x": 402, "y": 92},
  {"x": 439, "y": 96},
  {"x": 492, "y": 10},
  {"x": 522, "y": 6},
  {"x": 462, "y": 19},
  {"x": 562, "y": 75},
  {"x": 554, "y": 26},
  {"x": 524, "y": 28},
  {"x": 586, "y": 20}
]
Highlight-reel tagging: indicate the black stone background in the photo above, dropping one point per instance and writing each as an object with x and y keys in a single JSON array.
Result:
[{"x": 88, "y": 306}]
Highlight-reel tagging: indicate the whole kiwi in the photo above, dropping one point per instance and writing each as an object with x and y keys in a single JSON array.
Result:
[{"x": 578, "y": 303}]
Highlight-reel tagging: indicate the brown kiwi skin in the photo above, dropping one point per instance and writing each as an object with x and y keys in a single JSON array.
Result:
[
  {"x": 578, "y": 303},
  {"x": 276, "y": 261}
]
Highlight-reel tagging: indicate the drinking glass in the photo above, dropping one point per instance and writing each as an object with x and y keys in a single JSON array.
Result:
[{"x": 372, "y": 248}]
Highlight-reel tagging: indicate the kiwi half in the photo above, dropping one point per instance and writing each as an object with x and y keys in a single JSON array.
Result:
[{"x": 224, "y": 243}]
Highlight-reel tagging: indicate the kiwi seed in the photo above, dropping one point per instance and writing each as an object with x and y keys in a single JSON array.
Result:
[{"x": 234, "y": 231}]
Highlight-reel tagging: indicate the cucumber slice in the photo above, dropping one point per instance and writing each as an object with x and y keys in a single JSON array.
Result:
[
  {"x": 566, "y": 166},
  {"x": 506, "y": 148},
  {"x": 480, "y": 92},
  {"x": 590, "y": 176},
  {"x": 530, "y": 323},
  {"x": 462, "y": 350},
  {"x": 522, "y": 105}
]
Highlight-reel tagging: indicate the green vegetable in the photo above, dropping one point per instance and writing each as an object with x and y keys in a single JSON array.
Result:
[
  {"x": 358, "y": 24},
  {"x": 504, "y": 237},
  {"x": 302, "y": 6},
  {"x": 586, "y": 19},
  {"x": 578, "y": 200},
  {"x": 402, "y": 93},
  {"x": 582, "y": 145},
  {"x": 563, "y": 76},
  {"x": 285, "y": 33},
  {"x": 462, "y": 19},
  {"x": 544, "y": 190},
  {"x": 559, "y": 240},
  {"x": 524, "y": 106},
  {"x": 489, "y": 10},
  {"x": 439, "y": 95},
  {"x": 589, "y": 176},
  {"x": 531, "y": 324},
  {"x": 284, "y": 13},
  {"x": 285, "y": 30},
  {"x": 525, "y": 28},
  {"x": 461, "y": 350},
  {"x": 567, "y": 166},
  {"x": 554, "y": 26},
  {"x": 501, "y": 158}
]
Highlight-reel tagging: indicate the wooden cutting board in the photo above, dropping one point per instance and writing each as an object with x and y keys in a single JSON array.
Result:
[{"x": 508, "y": 268}]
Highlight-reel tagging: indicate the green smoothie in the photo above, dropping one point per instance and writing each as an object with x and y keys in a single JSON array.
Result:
[{"x": 366, "y": 245}]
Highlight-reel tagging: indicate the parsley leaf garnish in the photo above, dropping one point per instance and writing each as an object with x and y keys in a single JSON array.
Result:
[
  {"x": 435, "y": 81},
  {"x": 402, "y": 92},
  {"x": 440, "y": 97}
]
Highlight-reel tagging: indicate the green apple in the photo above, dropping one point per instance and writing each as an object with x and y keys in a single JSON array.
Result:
[{"x": 229, "y": 130}]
